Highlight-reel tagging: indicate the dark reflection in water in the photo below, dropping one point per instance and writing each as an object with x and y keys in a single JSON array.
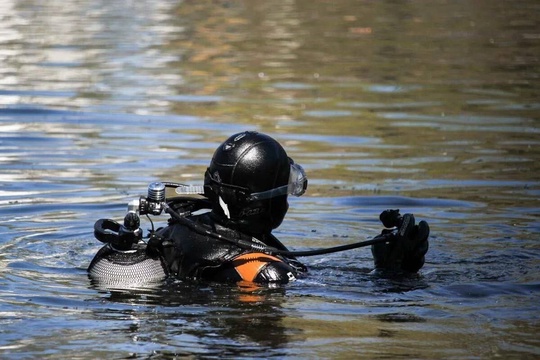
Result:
[
  {"x": 209, "y": 320},
  {"x": 427, "y": 106}
]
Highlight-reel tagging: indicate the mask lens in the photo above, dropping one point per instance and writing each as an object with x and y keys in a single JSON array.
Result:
[
  {"x": 297, "y": 185},
  {"x": 297, "y": 180}
]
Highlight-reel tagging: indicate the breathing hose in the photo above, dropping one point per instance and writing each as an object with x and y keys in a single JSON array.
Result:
[{"x": 248, "y": 245}]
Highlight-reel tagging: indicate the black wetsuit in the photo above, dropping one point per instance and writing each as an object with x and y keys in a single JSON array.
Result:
[
  {"x": 188, "y": 248},
  {"x": 189, "y": 254}
]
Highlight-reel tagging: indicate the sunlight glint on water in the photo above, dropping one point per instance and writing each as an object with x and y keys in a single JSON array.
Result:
[{"x": 429, "y": 107}]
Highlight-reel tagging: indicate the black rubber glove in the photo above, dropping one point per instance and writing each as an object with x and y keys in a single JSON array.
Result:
[{"x": 406, "y": 248}]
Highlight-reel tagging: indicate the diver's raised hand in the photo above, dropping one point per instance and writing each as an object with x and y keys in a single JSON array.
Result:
[{"x": 406, "y": 248}]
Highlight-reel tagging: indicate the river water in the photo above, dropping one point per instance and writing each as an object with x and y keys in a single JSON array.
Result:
[{"x": 431, "y": 107}]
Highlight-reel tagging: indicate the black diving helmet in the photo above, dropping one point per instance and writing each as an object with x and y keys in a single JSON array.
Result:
[{"x": 248, "y": 181}]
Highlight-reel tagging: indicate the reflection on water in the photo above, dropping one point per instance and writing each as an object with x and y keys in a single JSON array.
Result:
[{"x": 430, "y": 107}]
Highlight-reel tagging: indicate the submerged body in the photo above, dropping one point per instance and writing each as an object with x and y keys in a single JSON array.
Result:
[
  {"x": 208, "y": 254},
  {"x": 179, "y": 252}
]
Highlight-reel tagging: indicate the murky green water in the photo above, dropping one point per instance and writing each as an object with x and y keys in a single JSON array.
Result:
[{"x": 427, "y": 106}]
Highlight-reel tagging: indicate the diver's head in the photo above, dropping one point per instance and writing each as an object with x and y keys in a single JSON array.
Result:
[{"x": 248, "y": 181}]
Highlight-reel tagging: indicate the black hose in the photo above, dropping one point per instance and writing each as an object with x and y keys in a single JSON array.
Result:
[
  {"x": 248, "y": 245},
  {"x": 375, "y": 240}
]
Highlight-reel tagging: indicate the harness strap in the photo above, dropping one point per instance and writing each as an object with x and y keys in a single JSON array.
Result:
[{"x": 249, "y": 265}]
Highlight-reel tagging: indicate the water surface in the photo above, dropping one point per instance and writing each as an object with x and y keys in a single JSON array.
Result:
[{"x": 429, "y": 107}]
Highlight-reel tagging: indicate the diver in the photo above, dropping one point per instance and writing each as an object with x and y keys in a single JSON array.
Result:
[{"x": 223, "y": 231}]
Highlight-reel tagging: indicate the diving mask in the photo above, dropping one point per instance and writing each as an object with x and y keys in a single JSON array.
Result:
[{"x": 297, "y": 185}]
